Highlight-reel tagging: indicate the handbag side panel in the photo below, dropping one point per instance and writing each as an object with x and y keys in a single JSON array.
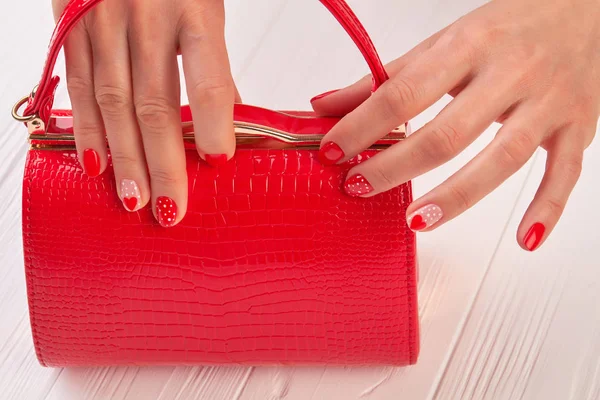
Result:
[{"x": 271, "y": 265}]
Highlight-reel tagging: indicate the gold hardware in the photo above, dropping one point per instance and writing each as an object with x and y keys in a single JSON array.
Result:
[
  {"x": 17, "y": 107},
  {"x": 36, "y": 125},
  {"x": 21, "y": 103},
  {"x": 247, "y": 136},
  {"x": 73, "y": 148}
]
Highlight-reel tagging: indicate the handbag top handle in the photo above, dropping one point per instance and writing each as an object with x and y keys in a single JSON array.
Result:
[{"x": 39, "y": 103}]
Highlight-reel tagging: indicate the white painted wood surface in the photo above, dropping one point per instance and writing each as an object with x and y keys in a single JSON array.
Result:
[{"x": 497, "y": 323}]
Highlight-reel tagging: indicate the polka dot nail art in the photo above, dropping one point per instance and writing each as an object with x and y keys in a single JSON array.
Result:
[
  {"x": 130, "y": 195},
  {"x": 166, "y": 211},
  {"x": 425, "y": 217},
  {"x": 357, "y": 186}
]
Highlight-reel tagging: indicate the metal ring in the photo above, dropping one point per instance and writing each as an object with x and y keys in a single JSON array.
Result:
[{"x": 15, "y": 111}]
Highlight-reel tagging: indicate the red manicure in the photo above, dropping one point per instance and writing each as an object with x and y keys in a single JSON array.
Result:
[
  {"x": 91, "y": 163},
  {"x": 166, "y": 210},
  {"x": 216, "y": 160},
  {"x": 131, "y": 195},
  {"x": 534, "y": 237},
  {"x": 417, "y": 223},
  {"x": 130, "y": 203},
  {"x": 330, "y": 153},
  {"x": 425, "y": 217},
  {"x": 323, "y": 95},
  {"x": 358, "y": 186}
]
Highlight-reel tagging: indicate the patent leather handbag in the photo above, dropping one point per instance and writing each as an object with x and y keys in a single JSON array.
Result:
[{"x": 273, "y": 263}]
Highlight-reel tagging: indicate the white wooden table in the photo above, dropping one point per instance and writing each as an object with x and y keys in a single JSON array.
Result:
[{"x": 497, "y": 322}]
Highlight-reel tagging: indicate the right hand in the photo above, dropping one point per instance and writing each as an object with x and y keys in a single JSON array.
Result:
[{"x": 123, "y": 80}]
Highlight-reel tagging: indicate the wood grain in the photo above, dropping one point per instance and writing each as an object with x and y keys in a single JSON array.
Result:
[{"x": 497, "y": 323}]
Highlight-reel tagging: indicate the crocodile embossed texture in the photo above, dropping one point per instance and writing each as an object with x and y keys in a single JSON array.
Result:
[{"x": 273, "y": 264}]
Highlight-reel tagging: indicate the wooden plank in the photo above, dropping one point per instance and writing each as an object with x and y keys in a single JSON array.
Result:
[{"x": 534, "y": 330}]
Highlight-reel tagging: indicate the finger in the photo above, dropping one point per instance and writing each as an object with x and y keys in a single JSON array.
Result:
[
  {"x": 457, "y": 126},
  {"x": 210, "y": 87},
  {"x": 114, "y": 94},
  {"x": 344, "y": 101},
  {"x": 157, "y": 104},
  {"x": 238, "y": 96},
  {"x": 513, "y": 146},
  {"x": 563, "y": 168},
  {"x": 407, "y": 94},
  {"x": 87, "y": 122}
]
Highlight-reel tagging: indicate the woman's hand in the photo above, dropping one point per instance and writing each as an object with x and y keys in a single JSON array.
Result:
[
  {"x": 123, "y": 80},
  {"x": 533, "y": 65}
]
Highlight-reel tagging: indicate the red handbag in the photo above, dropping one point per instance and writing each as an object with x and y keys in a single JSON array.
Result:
[{"x": 273, "y": 264}]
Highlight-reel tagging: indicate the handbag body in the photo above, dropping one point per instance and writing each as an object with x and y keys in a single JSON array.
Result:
[{"x": 273, "y": 263}]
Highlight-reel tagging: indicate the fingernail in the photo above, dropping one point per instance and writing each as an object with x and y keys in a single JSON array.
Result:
[
  {"x": 323, "y": 95},
  {"x": 130, "y": 195},
  {"x": 166, "y": 210},
  {"x": 425, "y": 217},
  {"x": 534, "y": 237},
  {"x": 330, "y": 153},
  {"x": 216, "y": 160},
  {"x": 358, "y": 185},
  {"x": 91, "y": 163}
]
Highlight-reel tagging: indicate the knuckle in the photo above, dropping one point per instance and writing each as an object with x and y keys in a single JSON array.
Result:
[
  {"x": 154, "y": 112},
  {"x": 517, "y": 150},
  {"x": 444, "y": 141},
  {"x": 165, "y": 178},
  {"x": 475, "y": 39},
  {"x": 469, "y": 37},
  {"x": 214, "y": 90},
  {"x": 481, "y": 32},
  {"x": 112, "y": 100},
  {"x": 123, "y": 159},
  {"x": 460, "y": 197},
  {"x": 398, "y": 93},
  {"x": 555, "y": 207},
  {"x": 79, "y": 86}
]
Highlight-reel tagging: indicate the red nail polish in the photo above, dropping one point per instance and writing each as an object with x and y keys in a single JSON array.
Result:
[
  {"x": 323, "y": 95},
  {"x": 534, "y": 237},
  {"x": 216, "y": 160},
  {"x": 425, "y": 217},
  {"x": 358, "y": 186},
  {"x": 130, "y": 203},
  {"x": 417, "y": 223},
  {"x": 330, "y": 153},
  {"x": 166, "y": 210},
  {"x": 91, "y": 163},
  {"x": 130, "y": 195}
]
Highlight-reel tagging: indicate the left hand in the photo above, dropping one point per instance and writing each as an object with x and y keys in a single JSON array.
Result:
[{"x": 532, "y": 65}]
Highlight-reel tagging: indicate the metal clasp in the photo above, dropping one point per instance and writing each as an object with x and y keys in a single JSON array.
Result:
[{"x": 21, "y": 103}]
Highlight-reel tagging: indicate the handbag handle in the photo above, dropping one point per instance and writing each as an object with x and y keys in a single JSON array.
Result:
[{"x": 39, "y": 103}]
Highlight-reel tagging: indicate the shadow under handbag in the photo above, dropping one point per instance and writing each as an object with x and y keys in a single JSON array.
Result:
[{"x": 273, "y": 264}]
